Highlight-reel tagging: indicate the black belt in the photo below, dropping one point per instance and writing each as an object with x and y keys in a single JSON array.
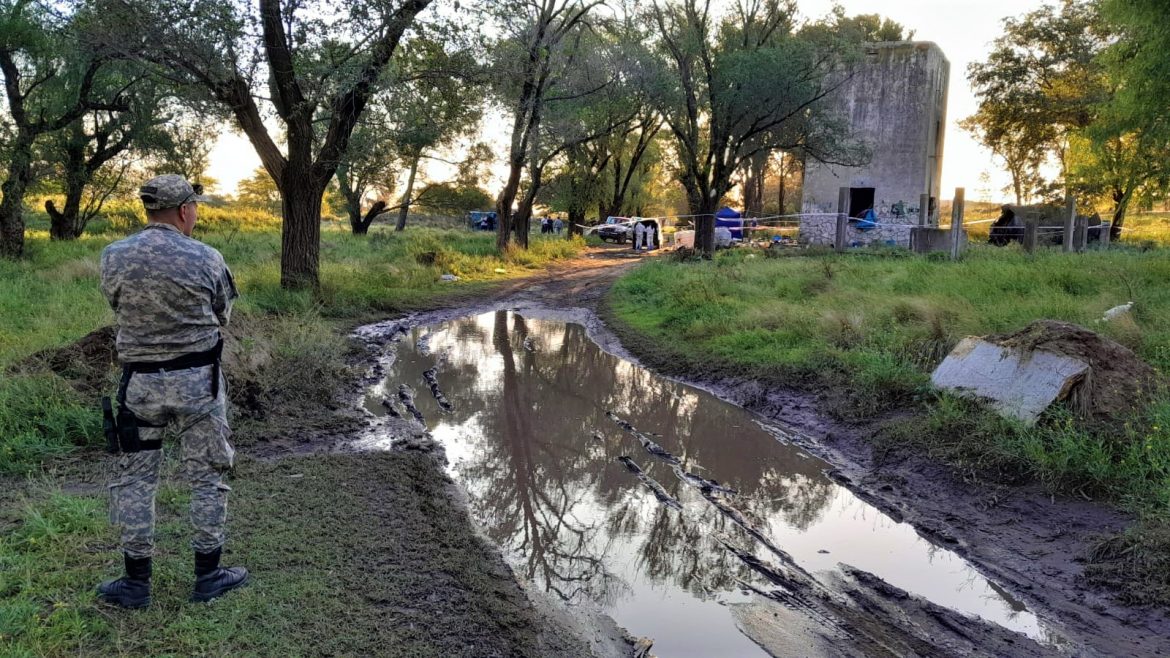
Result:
[{"x": 194, "y": 360}]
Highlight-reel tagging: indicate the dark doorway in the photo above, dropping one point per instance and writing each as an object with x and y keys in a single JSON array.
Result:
[{"x": 860, "y": 200}]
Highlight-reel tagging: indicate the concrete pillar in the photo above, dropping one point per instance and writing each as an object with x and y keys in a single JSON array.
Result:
[
  {"x": 841, "y": 234},
  {"x": 1103, "y": 231},
  {"x": 1082, "y": 241},
  {"x": 924, "y": 210},
  {"x": 1070, "y": 215},
  {"x": 957, "y": 208}
]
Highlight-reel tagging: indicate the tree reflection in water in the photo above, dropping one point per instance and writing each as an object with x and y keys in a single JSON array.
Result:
[{"x": 529, "y": 397}]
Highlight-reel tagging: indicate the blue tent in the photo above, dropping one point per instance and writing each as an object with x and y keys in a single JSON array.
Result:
[{"x": 732, "y": 220}]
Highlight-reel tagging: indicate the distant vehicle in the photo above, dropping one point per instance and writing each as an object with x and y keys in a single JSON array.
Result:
[
  {"x": 482, "y": 220},
  {"x": 615, "y": 229}
]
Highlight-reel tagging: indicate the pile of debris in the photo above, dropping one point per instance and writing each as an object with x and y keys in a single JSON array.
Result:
[{"x": 1022, "y": 374}]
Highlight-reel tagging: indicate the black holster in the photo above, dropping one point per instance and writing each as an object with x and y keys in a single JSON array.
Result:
[{"x": 121, "y": 429}]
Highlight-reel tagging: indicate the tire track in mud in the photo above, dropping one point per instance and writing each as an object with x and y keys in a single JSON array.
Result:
[
  {"x": 652, "y": 484},
  {"x": 431, "y": 375},
  {"x": 407, "y": 398},
  {"x": 648, "y": 444},
  {"x": 861, "y": 614}
]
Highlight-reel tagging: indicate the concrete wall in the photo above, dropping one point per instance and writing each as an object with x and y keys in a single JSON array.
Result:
[
  {"x": 896, "y": 102},
  {"x": 822, "y": 229}
]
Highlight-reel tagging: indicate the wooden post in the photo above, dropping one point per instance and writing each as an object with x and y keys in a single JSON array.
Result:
[
  {"x": 924, "y": 210},
  {"x": 957, "y": 207},
  {"x": 1070, "y": 215},
  {"x": 1103, "y": 232},
  {"x": 839, "y": 238},
  {"x": 1030, "y": 224},
  {"x": 1082, "y": 234}
]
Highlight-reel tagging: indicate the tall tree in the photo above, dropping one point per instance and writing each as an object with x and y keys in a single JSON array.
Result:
[
  {"x": 434, "y": 102},
  {"x": 89, "y": 154},
  {"x": 370, "y": 165},
  {"x": 862, "y": 28},
  {"x": 746, "y": 82},
  {"x": 526, "y": 61},
  {"x": 49, "y": 83},
  {"x": 314, "y": 65},
  {"x": 1040, "y": 84},
  {"x": 1129, "y": 139},
  {"x": 1022, "y": 145}
]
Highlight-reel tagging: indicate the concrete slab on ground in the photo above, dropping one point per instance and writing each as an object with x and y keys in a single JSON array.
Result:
[{"x": 1018, "y": 384}]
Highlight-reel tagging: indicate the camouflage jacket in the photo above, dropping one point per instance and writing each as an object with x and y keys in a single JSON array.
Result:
[{"x": 170, "y": 293}]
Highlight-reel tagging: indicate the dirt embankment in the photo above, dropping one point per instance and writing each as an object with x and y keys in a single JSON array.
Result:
[{"x": 1021, "y": 537}]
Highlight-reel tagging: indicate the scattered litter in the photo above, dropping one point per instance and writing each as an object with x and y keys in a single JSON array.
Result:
[
  {"x": 500, "y": 270},
  {"x": 448, "y": 277},
  {"x": 1117, "y": 311}
]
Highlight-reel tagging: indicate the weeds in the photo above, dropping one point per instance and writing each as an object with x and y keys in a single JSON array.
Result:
[
  {"x": 870, "y": 331},
  {"x": 52, "y": 299}
]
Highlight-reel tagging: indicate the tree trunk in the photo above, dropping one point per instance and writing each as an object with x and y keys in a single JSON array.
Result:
[
  {"x": 753, "y": 191},
  {"x": 363, "y": 225},
  {"x": 66, "y": 224},
  {"x": 576, "y": 222},
  {"x": 13, "y": 189},
  {"x": 780, "y": 184},
  {"x": 300, "y": 236},
  {"x": 1120, "y": 205},
  {"x": 522, "y": 222},
  {"x": 402, "y": 211},
  {"x": 353, "y": 201},
  {"x": 703, "y": 206},
  {"x": 504, "y": 209}
]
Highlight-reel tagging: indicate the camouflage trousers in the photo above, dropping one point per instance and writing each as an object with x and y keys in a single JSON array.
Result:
[{"x": 179, "y": 399}]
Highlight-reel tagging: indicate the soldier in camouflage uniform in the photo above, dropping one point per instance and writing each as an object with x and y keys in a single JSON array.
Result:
[{"x": 171, "y": 294}]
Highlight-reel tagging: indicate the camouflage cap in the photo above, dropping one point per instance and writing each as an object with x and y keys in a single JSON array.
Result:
[{"x": 169, "y": 191}]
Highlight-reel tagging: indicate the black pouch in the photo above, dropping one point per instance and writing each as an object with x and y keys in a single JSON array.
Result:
[
  {"x": 109, "y": 426},
  {"x": 128, "y": 438}
]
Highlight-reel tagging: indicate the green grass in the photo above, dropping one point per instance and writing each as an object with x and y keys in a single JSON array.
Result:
[
  {"x": 51, "y": 298},
  {"x": 315, "y": 532},
  {"x": 876, "y": 324},
  {"x": 322, "y": 583}
]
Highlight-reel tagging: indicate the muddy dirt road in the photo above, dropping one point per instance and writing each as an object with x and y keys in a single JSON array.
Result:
[{"x": 538, "y": 403}]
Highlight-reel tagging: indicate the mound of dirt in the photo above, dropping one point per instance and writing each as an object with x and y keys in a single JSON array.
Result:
[
  {"x": 1118, "y": 381},
  {"x": 85, "y": 363}
]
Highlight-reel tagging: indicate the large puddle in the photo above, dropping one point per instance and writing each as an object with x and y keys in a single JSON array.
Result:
[{"x": 529, "y": 437}]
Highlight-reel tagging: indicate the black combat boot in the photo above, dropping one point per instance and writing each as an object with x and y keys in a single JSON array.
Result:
[
  {"x": 131, "y": 590},
  {"x": 213, "y": 581}
]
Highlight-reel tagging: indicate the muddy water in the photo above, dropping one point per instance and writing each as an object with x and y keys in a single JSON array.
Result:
[{"x": 529, "y": 437}]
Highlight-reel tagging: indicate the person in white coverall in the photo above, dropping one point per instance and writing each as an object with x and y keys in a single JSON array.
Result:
[{"x": 639, "y": 236}]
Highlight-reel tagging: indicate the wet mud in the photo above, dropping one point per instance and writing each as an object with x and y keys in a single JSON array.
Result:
[{"x": 721, "y": 522}]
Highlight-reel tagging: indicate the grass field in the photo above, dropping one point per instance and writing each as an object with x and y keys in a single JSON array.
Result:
[
  {"x": 290, "y": 348},
  {"x": 868, "y": 328}
]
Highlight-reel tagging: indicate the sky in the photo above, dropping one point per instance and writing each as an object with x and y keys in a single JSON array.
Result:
[{"x": 964, "y": 29}]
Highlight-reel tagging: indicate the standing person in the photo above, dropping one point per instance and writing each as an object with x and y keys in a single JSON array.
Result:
[
  {"x": 639, "y": 235},
  {"x": 651, "y": 229},
  {"x": 558, "y": 226},
  {"x": 171, "y": 296}
]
